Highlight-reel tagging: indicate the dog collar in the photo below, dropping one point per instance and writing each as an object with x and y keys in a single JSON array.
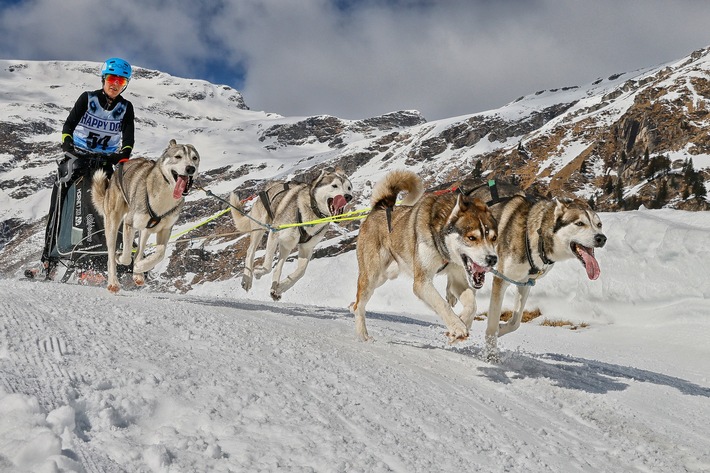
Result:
[{"x": 541, "y": 249}]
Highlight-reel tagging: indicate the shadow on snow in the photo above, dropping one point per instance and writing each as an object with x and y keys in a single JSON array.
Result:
[{"x": 565, "y": 371}]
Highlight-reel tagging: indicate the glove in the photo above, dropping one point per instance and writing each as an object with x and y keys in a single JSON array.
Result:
[
  {"x": 68, "y": 144},
  {"x": 114, "y": 158}
]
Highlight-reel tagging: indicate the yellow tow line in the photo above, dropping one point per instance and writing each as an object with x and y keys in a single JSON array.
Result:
[{"x": 344, "y": 217}]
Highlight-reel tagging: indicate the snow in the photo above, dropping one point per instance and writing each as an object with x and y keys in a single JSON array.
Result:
[{"x": 220, "y": 380}]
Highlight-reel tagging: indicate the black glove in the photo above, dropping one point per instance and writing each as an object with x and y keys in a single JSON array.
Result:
[
  {"x": 114, "y": 158},
  {"x": 68, "y": 144},
  {"x": 125, "y": 152}
]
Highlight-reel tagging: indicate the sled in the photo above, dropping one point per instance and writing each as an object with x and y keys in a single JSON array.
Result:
[{"x": 76, "y": 235}]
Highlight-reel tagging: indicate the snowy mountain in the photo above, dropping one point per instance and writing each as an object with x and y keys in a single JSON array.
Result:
[{"x": 598, "y": 141}]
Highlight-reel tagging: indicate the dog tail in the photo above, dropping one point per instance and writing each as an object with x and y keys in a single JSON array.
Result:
[
  {"x": 386, "y": 190},
  {"x": 242, "y": 223},
  {"x": 99, "y": 184}
]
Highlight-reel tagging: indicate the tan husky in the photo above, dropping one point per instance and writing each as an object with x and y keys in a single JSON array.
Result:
[
  {"x": 147, "y": 196},
  {"x": 445, "y": 234}
]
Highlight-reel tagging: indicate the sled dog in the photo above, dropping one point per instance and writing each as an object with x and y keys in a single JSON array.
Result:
[
  {"x": 147, "y": 196},
  {"x": 533, "y": 234},
  {"x": 427, "y": 234},
  {"x": 287, "y": 203}
]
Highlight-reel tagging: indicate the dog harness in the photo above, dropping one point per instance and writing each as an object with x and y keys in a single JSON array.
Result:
[
  {"x": 305, "y": 236},
  {"x": 154, "y": 217},
  {"x": 266, "y": 201}
]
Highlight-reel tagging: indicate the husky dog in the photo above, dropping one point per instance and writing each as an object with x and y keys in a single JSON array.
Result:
[
  {"x": 147, "y": 196},
  {"x": 435, "y": 234},
  {"x": 533, "y": 235},
  {"x": 287, "y": 203}
]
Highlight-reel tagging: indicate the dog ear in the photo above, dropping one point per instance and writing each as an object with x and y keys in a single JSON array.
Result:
[
  {"x": 560, "y": 207},
  {"x": 479, "y": 204},
  {"x": 172, "y": 142},
  {"x": 317, "y": 180},
  {"x": 460, "y": 206}
]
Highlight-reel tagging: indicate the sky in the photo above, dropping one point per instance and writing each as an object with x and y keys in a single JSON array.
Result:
[
  {"x": 221, "y": 380},
  {"x": 357, "y": 59}
]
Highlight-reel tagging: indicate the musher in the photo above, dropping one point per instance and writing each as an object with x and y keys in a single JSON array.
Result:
[{"x": 99, "y": 131}]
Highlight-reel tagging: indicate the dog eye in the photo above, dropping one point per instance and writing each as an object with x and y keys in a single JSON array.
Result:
[
  {"x": 471, "y": 238},
  {"x": 494, "y": 238},
  {"x": 599, "y": 225},
  {"x": 580, "y": 224}
]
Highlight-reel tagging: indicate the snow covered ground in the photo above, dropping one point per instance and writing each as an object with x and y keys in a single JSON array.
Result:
[{"x": 219, "y": 380}]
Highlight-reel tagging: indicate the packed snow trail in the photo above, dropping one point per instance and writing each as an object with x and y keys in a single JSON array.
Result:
[{"x": 154, "y": 382}]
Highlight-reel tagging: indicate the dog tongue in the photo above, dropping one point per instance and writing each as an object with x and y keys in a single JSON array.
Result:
[
  {"x": 180, "y": 187},
  {"x": 339, "y": 202},
  {"x": 590, "y": 263}
]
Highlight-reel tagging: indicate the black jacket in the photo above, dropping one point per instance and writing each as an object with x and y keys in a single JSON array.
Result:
[{"x": 82, "y": 104}]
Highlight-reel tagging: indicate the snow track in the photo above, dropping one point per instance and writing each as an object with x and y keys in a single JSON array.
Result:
[{"x": 156, "y": 382}]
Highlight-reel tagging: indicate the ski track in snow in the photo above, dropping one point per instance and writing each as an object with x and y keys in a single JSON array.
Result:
[{"x": 178, "y": 383}]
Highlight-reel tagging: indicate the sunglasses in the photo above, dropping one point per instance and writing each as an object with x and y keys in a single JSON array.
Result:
[{"x": 116, "y": 80}]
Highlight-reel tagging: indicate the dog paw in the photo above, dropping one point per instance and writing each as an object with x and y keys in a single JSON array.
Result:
[
  {"x": 360, "y": 327},
  {"x": 259, "y": 271},
  {"x": 125, "y": 261},
  {"x": 457, "y": 334},
  {"x": 454, "y": 338},
  {"x": 246, "y": 283},
  {"x": 138, "y": 279},
  {"x": 491, "y": 354},
  {"x": 276, "y": 291},
  {"x": 114, "y": 288},
  {"x": 364, "y": 336}
]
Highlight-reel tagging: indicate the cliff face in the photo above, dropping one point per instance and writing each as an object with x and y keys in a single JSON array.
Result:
[{"x": 631, "y": 145}]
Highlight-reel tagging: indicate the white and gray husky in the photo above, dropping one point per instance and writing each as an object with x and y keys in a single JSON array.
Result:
[
  {"x": 289, "y": 203},
  {"x": 147, "y": 196},
  {"x": 533, "y": 235}
]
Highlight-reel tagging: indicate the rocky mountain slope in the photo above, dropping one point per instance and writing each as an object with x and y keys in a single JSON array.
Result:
[{"x": 627, "y": 140}]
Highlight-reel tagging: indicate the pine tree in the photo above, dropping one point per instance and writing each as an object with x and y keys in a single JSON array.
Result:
[
  {"x": 477, "y": 170},
  {"x": 619, "y": 192},
  {"x": 698, "y": 188},
  {"x": 661, "y": 196}
]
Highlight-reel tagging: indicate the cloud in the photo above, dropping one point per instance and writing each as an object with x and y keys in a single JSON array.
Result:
[{"x": 361, "y": 58}]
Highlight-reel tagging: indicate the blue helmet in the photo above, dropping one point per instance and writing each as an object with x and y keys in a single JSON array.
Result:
[{"x": 117, "y": 67}]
